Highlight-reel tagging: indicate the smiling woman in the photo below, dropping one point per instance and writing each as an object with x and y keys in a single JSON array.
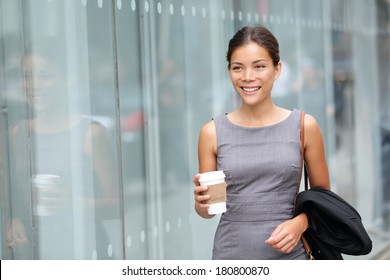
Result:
[
  {"x": 253, "y": 72},
  {"x": 257, "y": 147},
  {"x": 45, "y": 78}
]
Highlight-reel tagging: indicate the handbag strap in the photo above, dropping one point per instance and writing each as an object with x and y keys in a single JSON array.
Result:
[{"x": 303, "y": 166}]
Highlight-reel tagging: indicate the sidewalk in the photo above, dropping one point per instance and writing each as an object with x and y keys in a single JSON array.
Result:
[
  {"x": 384, "y": 255},
  {"x": 381, "y": 252},
  {"x": 380, "y": 246}
]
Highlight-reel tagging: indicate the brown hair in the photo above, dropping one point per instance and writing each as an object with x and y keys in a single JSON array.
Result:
[{"x": 258, "y": 34}]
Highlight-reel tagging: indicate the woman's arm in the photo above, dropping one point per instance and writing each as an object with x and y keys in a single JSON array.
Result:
[
  {"x": 207, "y": 158},
  {"x": 287, "y": 235},
  {"x": 100, "y": 149},
  {"x": 315, "y": 154}
]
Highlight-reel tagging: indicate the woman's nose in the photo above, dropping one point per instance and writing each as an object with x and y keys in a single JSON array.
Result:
[
  {"x": 248, "y": 75},
  {"x": 41, "y": 80}
]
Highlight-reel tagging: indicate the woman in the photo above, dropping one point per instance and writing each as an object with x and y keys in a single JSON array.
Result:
[
  {"x": 63, "y": 168},
  {"x": 258, "y": 148}
]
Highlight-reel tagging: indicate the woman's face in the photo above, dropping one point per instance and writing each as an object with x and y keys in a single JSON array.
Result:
[
  {"x": 252, "y": 73},
  {"x": 41, "y": 80}
]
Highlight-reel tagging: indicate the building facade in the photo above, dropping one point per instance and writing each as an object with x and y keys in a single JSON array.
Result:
[{"x": 102, "y": 102}]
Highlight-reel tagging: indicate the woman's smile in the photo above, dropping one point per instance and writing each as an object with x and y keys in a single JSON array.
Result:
[{"x": 250, "y": 90}]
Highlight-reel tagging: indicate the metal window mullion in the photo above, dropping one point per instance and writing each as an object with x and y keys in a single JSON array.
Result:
[{"x": 118, "y": 128}]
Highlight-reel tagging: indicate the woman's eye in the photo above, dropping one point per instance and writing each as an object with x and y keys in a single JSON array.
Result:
[
  {"x": 236, "y": 68},
  {"x": 260, "y": 66}
]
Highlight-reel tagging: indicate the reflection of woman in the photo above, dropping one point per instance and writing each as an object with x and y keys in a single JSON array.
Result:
[
  {"x": 71, "y": 169},
  {"x": 258, "y": 148}
]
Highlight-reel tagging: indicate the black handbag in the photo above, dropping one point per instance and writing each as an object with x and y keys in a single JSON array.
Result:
[
  {"x": 318, "y": 250},
  {"x": 335, "y": 227}
]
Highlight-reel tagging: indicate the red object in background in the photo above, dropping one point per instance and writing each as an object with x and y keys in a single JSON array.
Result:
[{"x": 134, "y": 121}]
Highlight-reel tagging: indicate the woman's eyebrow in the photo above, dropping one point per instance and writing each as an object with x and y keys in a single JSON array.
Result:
[
  {"x": 253, "y": 62},
  {"x": 259, "y": 60}
]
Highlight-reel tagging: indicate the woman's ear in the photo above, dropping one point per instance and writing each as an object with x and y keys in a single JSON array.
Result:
[{"x": 278, "y": 70}]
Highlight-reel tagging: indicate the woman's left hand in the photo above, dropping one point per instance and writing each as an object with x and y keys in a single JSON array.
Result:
[{"x": 287, "y": 235}]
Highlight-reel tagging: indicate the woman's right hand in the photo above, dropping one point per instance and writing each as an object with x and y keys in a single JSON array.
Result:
[
  {"x": 201, "y": 198},
  {"x": 17, "y": 235}
]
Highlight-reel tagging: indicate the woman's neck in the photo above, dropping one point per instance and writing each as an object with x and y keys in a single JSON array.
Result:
[
  {"x": 59, "y": 123},
  {"x": 259, "y": 116}
]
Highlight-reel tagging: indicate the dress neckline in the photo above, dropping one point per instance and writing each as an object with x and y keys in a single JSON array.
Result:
[{"x": 260, "y": 127}]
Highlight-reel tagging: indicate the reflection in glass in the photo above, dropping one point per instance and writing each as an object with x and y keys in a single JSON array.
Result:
[{"x": 65, "y": 165}]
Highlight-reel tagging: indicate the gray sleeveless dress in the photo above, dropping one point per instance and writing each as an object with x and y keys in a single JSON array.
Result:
[
  {"x": 262, "y": 168},
  {"x": 67, "y": 234}
]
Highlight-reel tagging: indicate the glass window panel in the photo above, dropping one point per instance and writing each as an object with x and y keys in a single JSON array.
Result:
[
  {"x": 383, "y": 10},
  {"x": 65, "y": 191},
  {"x": 172, "y": 130},
  {"x": 103, "y": 100},
  {"x": 132, "y": 130},
  {"x": 13, "y": 109}
]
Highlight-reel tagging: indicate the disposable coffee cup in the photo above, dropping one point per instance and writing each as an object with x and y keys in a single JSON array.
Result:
[
  {"x": 41, "y": 184},
  {"x": 215, "y": 181}
]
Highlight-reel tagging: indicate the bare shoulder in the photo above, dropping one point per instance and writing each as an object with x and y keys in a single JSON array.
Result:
[
  {"x": 311, "y": 124},
  {"x": 207, "y": 144},
  {"x": 313, "y": 135},
  {"x": 208, "y": 129},
  {"x": 315, "y": 156},
  {"x": 97, "y": 134},
  {"x": 96, "y": 129}
]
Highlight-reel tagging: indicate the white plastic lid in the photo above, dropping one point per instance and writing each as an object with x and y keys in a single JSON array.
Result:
[
  {"x": 217, "y": 208},
  {"x": 45, "y": 178},
  {"x": 211, "y": 176}
]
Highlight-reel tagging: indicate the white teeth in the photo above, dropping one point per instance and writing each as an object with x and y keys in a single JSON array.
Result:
[{"x": 251, "y": 89}]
